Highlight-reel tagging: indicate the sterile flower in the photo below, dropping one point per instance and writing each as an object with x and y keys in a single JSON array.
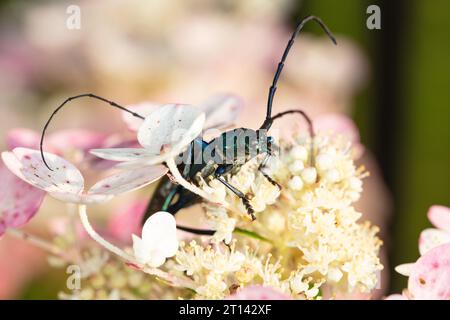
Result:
[
  {"x": 158, "y": 240},
  {"x": 165, "y": 133},
  {"x": 220, "y": 112},
  {"x": 429, "y": 276},
  {"x": 168, "y": 129},
  {"x": 66, "y": 182}
]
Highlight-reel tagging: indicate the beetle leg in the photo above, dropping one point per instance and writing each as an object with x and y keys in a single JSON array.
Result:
[
  {"x": 260, "y": 169},
  {"x": 244, "y": 199}
]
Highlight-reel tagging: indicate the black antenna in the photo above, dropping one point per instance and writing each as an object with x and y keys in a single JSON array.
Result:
[
  {"x": 310, "y": 129},
  {"x": 303, "y": 113},
  {"x": 273, "y": 88},
  {"x": 90, "y": 95}
]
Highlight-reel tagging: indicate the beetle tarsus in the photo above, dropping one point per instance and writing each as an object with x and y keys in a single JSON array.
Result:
[{"x": 249, "y": 208}]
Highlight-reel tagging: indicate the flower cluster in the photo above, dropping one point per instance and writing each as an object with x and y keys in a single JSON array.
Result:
[
  {"x": 306, "y": 237},
  {"x": 221, "y": 271},
  {"x": 308, "y": 219}
]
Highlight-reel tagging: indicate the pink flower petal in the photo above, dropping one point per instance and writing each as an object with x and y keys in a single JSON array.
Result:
[
  {"x": 337, "y": 124},
  {"x": 440, "y": 217},
  {"x": 21, "y": 137},
  {"x": 58, "y": 142},
  {"x": 127, "y": 221},
  {"x": 430, "y": 276},
  {"x": 258, "y": 293},
  {"x": 19, "y": 201},
  {"x": 78, "y": 139},
  {"x": 431, "y": 238}
]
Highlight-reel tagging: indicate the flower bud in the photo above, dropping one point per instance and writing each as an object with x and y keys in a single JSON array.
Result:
[{"x": 309, "y": 175}]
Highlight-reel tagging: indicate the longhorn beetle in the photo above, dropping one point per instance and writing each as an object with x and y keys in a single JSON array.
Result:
[{"x": 244, "y": 145}]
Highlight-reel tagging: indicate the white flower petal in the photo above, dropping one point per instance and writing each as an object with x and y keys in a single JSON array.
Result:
[
  {"x": 28, "y": 165},
  {"x": 159, "y": 233},
  {"x": 122, "y": 154},
  {"x": 127, "y": 181},
  {"x": 404, "y": 269},
  {"x": 141, "y": 251},
  {"x": 156, "y": 259},
  {"x": 169, "y": 129},
  {"x": 81, "y": 198},
  {"x": 136, "y": 164},
  {"x": 431, "y": 238},
  {"x": 221, "y": 110}
]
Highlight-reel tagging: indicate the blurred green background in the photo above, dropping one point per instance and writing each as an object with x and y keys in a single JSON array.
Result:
[{"x": 403, "y": 113}]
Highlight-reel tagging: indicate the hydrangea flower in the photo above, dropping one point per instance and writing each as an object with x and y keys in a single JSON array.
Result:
[
  {"x": 429, "y": 276},
  {"x": 66, "y": 182}
]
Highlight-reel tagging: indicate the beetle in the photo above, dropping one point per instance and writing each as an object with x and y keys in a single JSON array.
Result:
[
  {"x": 259, "y": 142},
  {"x": 227, "y": 153}
]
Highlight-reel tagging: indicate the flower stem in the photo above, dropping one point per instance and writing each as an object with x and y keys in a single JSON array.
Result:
[
  {"x": 36, "y": 241},
  {"x": 99, "y": 239},
  {"x": 177, "y": 175},
  {"x": 189, "y": 186}
]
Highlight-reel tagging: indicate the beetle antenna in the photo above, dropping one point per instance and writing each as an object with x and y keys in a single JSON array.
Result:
[
  {"x": 304, "y": 115},
  {"x": 273, "y": 88},
  {"x": 310, "y": 128},
  {"x": 90, "y": 95}
]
